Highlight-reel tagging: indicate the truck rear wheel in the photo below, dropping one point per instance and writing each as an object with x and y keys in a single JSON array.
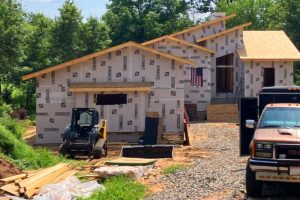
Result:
[{"x": 253, "y": 187}]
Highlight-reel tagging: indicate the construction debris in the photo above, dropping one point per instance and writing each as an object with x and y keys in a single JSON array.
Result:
[
  {"x": 29, "y": 184},
  {"x": 131, "y": 162},
  {"x": 68, "y": 189},
  {"x": 134, "y": 172}
]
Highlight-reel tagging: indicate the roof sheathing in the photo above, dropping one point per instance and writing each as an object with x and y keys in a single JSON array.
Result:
[
  {"x": 268, "y": 46},
  {"x": 224, "y": 32},
  {"x": 103, "y": 52}
]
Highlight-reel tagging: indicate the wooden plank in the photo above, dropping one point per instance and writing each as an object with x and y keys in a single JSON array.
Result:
[
  {"x": 131, "y": 161},
  {"x": 13, "y": 178},
  {"x": 39, "y": 175},
  {"x": 224, "y": 32},
  {"x": 34, "y": 188},
  {"x": 137, "y": 89},
  {"x": 11, "y": 189},
  {"x": 103, "y": 52},
  {"x": 64, "y": 176},
  {"x": 152, "y": 114}
]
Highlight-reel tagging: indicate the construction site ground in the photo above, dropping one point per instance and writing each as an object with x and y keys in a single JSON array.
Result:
[{"x": 214, "y": 168}]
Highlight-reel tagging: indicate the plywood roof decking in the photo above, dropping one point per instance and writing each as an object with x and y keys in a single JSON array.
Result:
[
  {"x": 103, "y": 52},
  {"x": 171, "y": 38},
  {"x": 224, "y": 32},
  {"x": 204, "y": 24},
  {"x": 111, "y": 87},
  {"x": 268, "y": 46}
]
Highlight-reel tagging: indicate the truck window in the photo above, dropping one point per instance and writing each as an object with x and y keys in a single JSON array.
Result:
[{"x": 280, "y": 117}]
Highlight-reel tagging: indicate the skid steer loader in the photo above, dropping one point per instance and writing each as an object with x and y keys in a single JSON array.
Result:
[{"x": 85, "y": 135}]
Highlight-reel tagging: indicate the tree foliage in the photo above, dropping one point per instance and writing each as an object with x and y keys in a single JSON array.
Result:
[
  {"x": 264, "y": 14},
  {"x": 141, "y": 20},
  {"x": 12, "y": 32}
]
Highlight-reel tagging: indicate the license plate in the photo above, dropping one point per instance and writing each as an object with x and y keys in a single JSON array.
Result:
[{"x": 294, "y": 171}]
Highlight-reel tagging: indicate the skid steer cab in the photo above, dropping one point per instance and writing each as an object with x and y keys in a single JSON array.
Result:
[
  {"x": 85, "y": 135},
  {"x": 270, "y": 136}
]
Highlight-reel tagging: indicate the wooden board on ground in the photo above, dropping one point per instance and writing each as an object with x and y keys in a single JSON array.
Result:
[
  {"x": 131, "y": 162},
  {"x": 13, "y": 178}
]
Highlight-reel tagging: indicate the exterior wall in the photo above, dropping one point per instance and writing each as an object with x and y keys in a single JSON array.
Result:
[
  {"x": 192, "y": 95},
  {"x": 254, "y": 74},
  {"x": 223, "y": 45},
  {"x": 192, "y": 36},
  {"x": 54, "y": 102}
]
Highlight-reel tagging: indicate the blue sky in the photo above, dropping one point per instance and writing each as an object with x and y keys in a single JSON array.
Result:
[{"x": 50, "y": 7}]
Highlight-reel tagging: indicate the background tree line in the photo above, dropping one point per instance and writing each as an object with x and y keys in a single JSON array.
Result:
[{"x": 29, "y": 42}]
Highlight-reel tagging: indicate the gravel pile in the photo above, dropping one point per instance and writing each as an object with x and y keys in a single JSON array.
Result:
[{"x": 220, "y": 176}]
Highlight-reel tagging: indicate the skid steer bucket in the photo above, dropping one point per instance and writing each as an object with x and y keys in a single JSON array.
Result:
[{"x": 147, "y": 151}]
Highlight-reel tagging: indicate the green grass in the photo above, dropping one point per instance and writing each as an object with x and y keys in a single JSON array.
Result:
[
  {"x": 13, "y": 146},
  {"x": 119, "y": 188},
  {"x": 174, "y": 168}
]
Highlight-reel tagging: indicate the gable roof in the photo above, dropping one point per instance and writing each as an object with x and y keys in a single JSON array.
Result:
[
  {"x": 224, "y": 32},
  {"x": 204, "y": 24},
  {"x": 173, "y": 39},
  {"x": 102, "y": 52},
  {"x": 268, "y": 46}
]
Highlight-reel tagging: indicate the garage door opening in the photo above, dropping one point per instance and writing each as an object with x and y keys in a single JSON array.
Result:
[
  {"x": 269, "y": 77},
  {"x": 224, "y": 79}
]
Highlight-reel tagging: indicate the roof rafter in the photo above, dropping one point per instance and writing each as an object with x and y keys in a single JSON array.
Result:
[
  {"x": 224, "y": 32},
  {"x": 174, "y": 39},
  {"x": 103, "y": 52}
]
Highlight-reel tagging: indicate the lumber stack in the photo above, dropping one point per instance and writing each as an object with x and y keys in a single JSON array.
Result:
[
  {"x": 222, "y": 113},
  {"x": 29, "y": 184},
  {"x": 172, "y": 138}
]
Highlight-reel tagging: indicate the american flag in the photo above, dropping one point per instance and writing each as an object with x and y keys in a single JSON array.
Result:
[{"x": 197, "y": 77}]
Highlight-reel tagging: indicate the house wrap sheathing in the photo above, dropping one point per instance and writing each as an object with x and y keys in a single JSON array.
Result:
[
  {"x": 152, "y": 80},
  {"x": 156, "y": 76}
]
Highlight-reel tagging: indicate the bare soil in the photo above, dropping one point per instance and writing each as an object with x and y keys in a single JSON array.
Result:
[{"x": 8, "y": 169}]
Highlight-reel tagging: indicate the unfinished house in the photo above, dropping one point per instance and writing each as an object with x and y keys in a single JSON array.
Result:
[
  {"x": 123, "y": 83},
  {"x": 196, "y": 80},
  {"x": 191, "y": 69},
  {"x": 266, "y": 59}
]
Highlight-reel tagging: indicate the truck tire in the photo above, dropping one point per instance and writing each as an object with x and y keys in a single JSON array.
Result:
[
  {"x": 64, "y": 149},
  {"x": 253, "y": 187}
]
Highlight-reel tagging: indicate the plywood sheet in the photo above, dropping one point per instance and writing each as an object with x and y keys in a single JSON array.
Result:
[{"x": 131, "y": 162}]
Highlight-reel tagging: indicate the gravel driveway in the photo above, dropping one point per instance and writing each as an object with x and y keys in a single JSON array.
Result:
[{"x": 220, "y": 176}]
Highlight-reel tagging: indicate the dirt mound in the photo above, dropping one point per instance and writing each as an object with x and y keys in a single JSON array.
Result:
[{"x": 8, "y": 169}]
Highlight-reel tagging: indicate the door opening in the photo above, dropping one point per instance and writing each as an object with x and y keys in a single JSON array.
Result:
[
  {"x": 269, "y": 77},
  {"x": 224, "y": 79}
]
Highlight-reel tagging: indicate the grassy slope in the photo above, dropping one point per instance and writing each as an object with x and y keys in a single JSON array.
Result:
[
  {"x": 120, "y": 187},
  {"x": 13, "y": 146}
]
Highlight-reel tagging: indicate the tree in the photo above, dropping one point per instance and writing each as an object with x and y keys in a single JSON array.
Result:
[
  {"x": 95, "y": 35},
  {"x": 264, "y": 14},
  {"x": 39, "y": 42},
  {"x": 12, "y": 35},
  {"x": 141, "y": 20},
  {"x": 204, "y": 6},
  {"x": 67, "y": 44}
]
